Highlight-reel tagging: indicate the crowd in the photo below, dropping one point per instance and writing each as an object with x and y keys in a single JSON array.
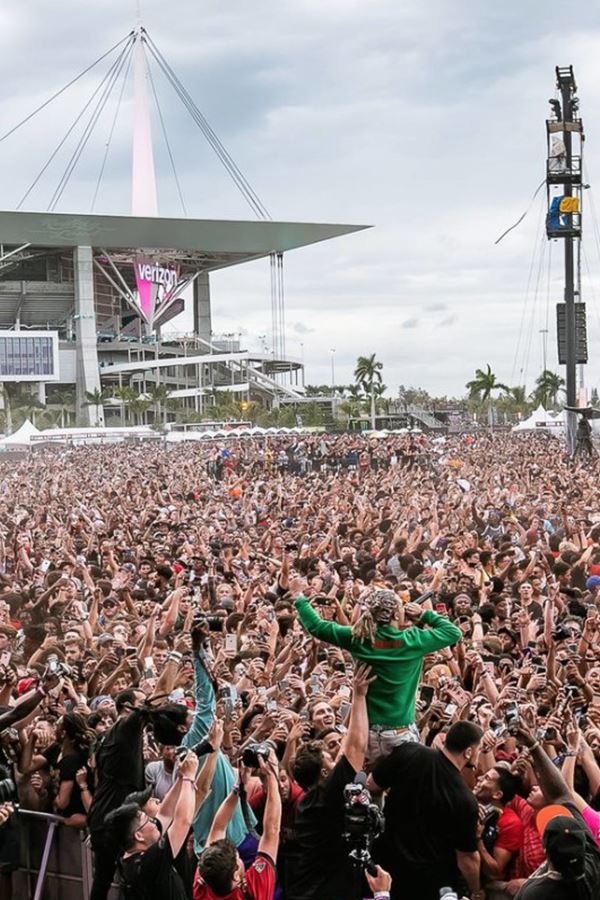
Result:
[{"x": 316, "y": 668}]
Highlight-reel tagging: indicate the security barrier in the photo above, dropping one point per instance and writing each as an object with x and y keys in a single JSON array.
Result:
[{"x": 55, "y": 860}]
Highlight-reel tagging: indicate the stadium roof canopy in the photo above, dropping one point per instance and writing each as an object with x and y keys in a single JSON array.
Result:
[{"x": 206, "y": 243}]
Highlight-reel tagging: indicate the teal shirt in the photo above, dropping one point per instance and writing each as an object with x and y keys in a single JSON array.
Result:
[
  {"x": 395, "y": 657},
  {"x": 225, "y": 776}
]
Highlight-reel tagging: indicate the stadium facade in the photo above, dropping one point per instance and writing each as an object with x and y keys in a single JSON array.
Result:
[{"x": 84, "y": 299}]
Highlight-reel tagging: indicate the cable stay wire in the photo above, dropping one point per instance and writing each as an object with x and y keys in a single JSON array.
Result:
[
  {"x": 223, "y": 155},
  {"x": 536, "y": 245},
  {"x": 165, "y": 136},
  {"x": 520, "y": 219},
  {"x": 69, "y": 131},
  {"x": 534, "y": 307},
  {"x": 212, "y": 137},
  {"x": 111, "y": 132},
  {"x": 88, "y": 130},
  {"x": 63, "y": 89}
]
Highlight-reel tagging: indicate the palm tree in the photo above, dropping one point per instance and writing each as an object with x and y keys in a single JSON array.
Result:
[
  {"x": 96, "y": 399},
  {"x": 159, "y": 394},
  {"x": 23, "y": 405},
  {"x": 126, "y": 395},
  {"x": 138, "y": 408},
  {"x": 547, "y": 386},
  {"x": 66, "y": 400},
  {"x": 482, "y": 387},
  {"x": 6, "y": 404},
  {"x": 367, "y": 374}
]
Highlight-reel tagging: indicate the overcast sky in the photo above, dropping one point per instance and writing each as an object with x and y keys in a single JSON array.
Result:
[{"x": 423, "y": 119}]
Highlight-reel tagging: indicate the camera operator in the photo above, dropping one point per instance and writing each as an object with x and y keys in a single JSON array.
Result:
[
  {"x": 147, "y": 864},
  {"x": 386, "y": 637},
  {"x": 220, "y": 867},
  {"x": 431, "y": 816},
  {"x": 324, "y": 869},
  {"x": 120, "y": 771}
]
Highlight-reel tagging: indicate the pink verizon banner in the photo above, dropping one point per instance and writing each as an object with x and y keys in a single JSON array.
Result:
[{"x": 156, "y": 283}]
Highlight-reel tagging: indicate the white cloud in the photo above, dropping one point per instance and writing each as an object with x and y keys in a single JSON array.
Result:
[{"x": 423, "y": 119}]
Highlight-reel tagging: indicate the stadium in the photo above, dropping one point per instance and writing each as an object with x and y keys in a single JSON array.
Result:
[{"x": 84, "y": 298}]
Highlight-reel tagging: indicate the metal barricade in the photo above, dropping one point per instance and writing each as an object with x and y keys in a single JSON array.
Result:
[{"x": 55, "y": 860}]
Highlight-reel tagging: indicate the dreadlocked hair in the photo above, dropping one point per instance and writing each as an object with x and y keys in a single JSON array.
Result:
[{"x": 365, "y": 627}]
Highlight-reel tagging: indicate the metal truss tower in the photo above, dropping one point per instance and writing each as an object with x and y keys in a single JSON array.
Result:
[{"x": 564, "y": 130}]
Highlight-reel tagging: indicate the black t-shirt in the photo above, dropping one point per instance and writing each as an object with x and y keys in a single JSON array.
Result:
[
  {"x": 152, "y": 874},
  {"x": 430, "y": 813},
  {"x": 543, "y": 885},
  {"x": 120, "y": 766},
  {"x": 323, "y": 869}
]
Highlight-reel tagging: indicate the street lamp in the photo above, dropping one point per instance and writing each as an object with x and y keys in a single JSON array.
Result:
[{"x": 332, "y": 351}]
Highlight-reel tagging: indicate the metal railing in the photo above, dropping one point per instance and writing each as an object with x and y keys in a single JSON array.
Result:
[{"x": 55, "y": 859}]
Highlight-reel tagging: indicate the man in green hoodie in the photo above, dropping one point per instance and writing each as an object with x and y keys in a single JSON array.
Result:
[{"x": 392, "y": 649}]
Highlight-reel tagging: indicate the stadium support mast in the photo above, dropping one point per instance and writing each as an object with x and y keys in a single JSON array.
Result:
[
  {"x": 144, "y": 199},
  {"x": 564, "y": 187}
]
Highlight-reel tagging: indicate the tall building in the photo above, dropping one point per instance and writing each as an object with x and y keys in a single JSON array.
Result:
[{"x": 84, "y": 298}]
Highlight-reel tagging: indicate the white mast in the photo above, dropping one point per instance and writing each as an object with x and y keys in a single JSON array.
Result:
[{"x": 144, "y": 200}]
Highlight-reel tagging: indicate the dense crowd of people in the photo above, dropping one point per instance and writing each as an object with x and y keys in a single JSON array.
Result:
[{"x": 203, "y": 648}]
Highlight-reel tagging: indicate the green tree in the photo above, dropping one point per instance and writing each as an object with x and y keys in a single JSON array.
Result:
[
  {"x": 482, "y": 387},
  {"x": 159, "y": 395},
  {"x": 138, "y": 408},
  {"x": 96, "y": 399},
  {"x": 367, "y": 374},
  {"x": 126, "y": 395},
  {"x": 65, "y": 399},
  {"x": 547, "y": 387}
]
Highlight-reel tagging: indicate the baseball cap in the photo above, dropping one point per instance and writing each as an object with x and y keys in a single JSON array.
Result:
[
  {"x": 105, "y": 638},
  {"x": 563, "y": 839}
]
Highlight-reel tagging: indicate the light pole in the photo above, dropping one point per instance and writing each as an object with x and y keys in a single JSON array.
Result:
[
  {"x": 332, "y": 351},
  {"x": 544, "y": 333}
]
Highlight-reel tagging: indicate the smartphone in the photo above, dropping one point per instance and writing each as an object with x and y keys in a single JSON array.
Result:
[
  {"x": 283, "y": 685},
  {"x": 261, "y": 691},
  {"x": 271, "y": 705},
  {"x": 44, "y": 565},
  {"x": 426, "y": 694},
  {"x": 451, "y": 709},
  {"x": 304, "y": 715},
  {"x": 5, "y": 658},
  {"x": 130, "y": 651},
  {"x": 489, "y": 665},
  {"x": 120, "y": 653},
  {"x": 148, "y": 666},
  {"x": 231, "y": 643},
  {"x": 345, "y": 692},
  {"x": 344, "y": 710}
]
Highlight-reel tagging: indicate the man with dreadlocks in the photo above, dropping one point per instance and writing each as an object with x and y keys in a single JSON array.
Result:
[{"x": 391, "y": 639}]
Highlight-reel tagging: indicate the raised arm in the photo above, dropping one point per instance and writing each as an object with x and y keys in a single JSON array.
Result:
[{"x": 354, "y": 745}]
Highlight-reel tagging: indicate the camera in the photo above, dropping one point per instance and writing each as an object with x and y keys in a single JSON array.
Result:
[
  {"x": 55, "y": 667},
  {"x": 255, "y": 751},
  {"x": 215, "y": 623},
  {"x": 363, "y": 822},
  {"x": 8, "y": 789},
  {"x": 562, "y": 633}
]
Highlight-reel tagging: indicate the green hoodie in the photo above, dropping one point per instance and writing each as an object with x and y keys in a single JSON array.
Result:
[{"x": 396, "y": 658}]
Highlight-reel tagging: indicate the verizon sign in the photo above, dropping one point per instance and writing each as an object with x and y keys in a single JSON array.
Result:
[{"x": 156, "y": 285}]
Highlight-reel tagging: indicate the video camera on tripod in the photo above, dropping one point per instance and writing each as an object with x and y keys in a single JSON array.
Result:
[{"x": 363, "y": 822}]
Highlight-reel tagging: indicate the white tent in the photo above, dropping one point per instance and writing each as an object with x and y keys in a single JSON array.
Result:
[
  {"x": 540, "y": 418},
  {"x": 21, "y": 437}
]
